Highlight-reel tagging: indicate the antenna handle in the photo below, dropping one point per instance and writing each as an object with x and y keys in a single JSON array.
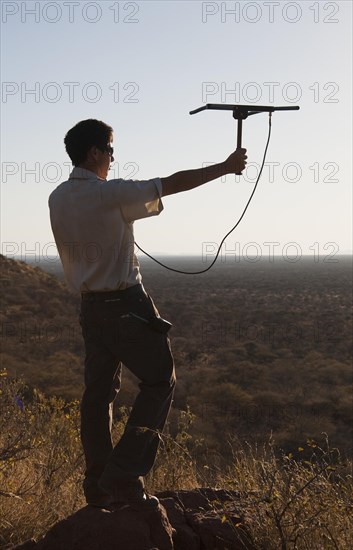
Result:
[{"x": 239, "y": 136}]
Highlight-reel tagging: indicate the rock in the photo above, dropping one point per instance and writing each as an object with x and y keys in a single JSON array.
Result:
[
  {"x": 202, "y": 519},
  {"x": 208, "y": 519},
  {"x": 28, "y": 545},
  {"x": 99, "y": 529},
  {"x": 184, "y": 536}
]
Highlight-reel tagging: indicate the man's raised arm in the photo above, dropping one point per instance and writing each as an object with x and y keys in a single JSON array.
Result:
[{"x": 189, "y": 179}]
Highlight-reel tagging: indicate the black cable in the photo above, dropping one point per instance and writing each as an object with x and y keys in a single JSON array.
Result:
[{"x": 229, "y": 232}]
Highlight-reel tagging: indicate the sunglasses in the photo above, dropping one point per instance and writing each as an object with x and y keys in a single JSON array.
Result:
[{"x": 110, "y": 150}]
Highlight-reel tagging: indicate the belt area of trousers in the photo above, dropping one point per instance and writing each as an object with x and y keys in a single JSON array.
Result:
[{"x": 113, "y": 295}]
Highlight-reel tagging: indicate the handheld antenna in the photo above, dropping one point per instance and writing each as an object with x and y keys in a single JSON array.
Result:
[{"x": 241, "y": 112}]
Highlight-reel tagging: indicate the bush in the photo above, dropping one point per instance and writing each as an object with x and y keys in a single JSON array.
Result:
[{"x": 296, "y": 501}]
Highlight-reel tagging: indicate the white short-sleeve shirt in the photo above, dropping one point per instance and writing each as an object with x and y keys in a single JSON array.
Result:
[{"x": 92, "y": 222}]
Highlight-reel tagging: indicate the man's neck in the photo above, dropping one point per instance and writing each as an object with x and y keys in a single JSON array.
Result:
[{"x": 92, "y": 168}]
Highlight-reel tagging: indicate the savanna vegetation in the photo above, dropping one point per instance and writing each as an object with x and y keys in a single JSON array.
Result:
[
  {"x": 262, "y": 348},
  {"x": 263, "y": 401},
  {"x": 290, "y": 503}
]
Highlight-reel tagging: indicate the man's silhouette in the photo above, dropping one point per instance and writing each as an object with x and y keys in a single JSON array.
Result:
[{"x": 92, "y": 221}]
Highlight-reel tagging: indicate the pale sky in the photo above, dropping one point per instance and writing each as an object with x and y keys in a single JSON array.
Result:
[{"x": 141, "y": 67}]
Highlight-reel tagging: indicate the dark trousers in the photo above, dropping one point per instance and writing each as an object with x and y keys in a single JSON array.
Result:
[{"x": 112, "y": 337}]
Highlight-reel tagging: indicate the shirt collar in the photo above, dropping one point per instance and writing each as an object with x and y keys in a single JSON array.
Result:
[{"x": 81, "y": 173}]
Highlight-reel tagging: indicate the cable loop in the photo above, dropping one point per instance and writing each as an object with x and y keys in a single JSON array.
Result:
[{"x": 229, "y": 232}]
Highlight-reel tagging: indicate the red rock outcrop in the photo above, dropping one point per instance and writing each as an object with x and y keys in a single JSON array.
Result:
[{"x": 202, "y": 519}]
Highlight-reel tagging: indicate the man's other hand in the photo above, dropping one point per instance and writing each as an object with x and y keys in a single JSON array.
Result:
[{"x": 236, "y": 162}]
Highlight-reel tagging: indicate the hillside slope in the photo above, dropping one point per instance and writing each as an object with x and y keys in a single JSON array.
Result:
[
  {"x": 259, "y": 349},
  {"x": 40, "y": 332}
]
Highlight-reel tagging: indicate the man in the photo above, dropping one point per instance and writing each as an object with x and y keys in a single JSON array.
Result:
[{"x": 92, "y": 222}]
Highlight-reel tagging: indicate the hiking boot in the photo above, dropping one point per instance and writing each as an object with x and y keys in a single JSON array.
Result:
[
  {"x": 129, "y": 491},
  {"x": 146, "y": 503},
  {"x": 104, "y": 502},
  {"x": 94, "y": 494}
]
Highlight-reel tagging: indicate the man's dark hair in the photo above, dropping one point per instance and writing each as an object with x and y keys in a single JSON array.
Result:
[{"x": 86, "y": 133}]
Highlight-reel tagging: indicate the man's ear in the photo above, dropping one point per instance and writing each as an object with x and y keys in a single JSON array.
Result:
[{"x": 93, "y": 153}]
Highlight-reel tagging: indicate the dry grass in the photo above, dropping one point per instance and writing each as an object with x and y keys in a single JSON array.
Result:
[
  {"x": 40, "y": 463},
  {"x": 294, "y": 503}
]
